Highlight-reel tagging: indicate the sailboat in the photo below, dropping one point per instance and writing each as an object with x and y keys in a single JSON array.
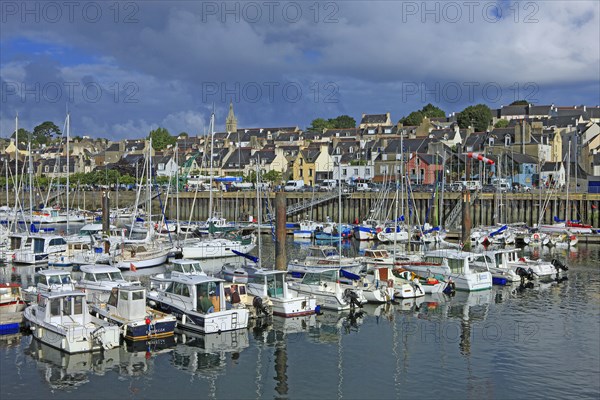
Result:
[
  {"x": 567, "y": 225},
  {"x": 216, "y": 247}
]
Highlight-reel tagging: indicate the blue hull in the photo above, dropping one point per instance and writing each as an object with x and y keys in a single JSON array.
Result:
[{"x": 141, "y": 332}]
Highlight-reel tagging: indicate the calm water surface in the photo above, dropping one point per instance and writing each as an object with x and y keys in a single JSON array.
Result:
[{"x": 503, "y": 343}]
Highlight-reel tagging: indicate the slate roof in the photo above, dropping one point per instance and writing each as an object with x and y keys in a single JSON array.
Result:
[{"x": 374, "y": 119}]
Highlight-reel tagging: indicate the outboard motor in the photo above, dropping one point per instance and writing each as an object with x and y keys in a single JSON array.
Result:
[
  {"x": 558, "y": 265},
  {"x": 261, "y": 309},
  {"x": 524, "y": 274},
  {"x": 450, "y": 288},
  {"x": 352, "y": 298}
]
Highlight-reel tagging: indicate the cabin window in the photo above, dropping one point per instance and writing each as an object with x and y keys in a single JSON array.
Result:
[
  {"x": 66, "y": 279},
  {"x": 112, "y": 300},
  {"x": 140, "y": 295},
  {"x": 103, "y": 276},
  {"x": 78, "y": 305},
  {"x": 89, "y": 277},
  {"x": 115, "y": 275},
  {"x": 170, "y": 288},
  {"x": 54, "y": 280},
  {"x": 40, "y": 279},
  {"x": 42, "y": 302},
  {"x": 54, "y": 307},
  {"x": 456, "y": 265},
  {"x": 124, "y": 296},
  {"x": 185, "y": 291},
  {"x": 66, "y": 309}
]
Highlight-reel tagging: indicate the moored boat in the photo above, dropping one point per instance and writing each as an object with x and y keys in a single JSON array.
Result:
[
  {"x": 126, "y": 307},
  {"x": 199, "y": 304},
  {"x": 62, "y": 320}
]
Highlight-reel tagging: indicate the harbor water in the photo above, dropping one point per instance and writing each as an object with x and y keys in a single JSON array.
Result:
[{"x": 504, "y": 343}]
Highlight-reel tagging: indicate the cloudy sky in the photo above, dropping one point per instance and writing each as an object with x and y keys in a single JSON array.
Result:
[{"x": 125, "y": 68}]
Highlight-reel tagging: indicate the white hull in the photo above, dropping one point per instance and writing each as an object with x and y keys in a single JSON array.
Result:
[
  {"x": 72, "y": 336},
  {"x": 217, "y": 248}
]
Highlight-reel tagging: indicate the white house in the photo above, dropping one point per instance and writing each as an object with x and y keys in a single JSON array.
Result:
[{"x": 553, "y": 173}]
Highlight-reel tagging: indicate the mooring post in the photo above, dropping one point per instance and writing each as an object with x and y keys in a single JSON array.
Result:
[
  {"x": 106, "y": 212},
  {"x": 466, "y": 210},
  {"x": 280, "y": 232}
]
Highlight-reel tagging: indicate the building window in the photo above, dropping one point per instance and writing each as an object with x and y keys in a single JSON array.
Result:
[
  {"x": 65, "y": 168},
  {"x": 491, "y": 141},
  {"x": 356, "y": 171},
  {"x": 46, "y": 169},
  {"x": 309, "y": 172},
  {"x": 367, "y": 171},
  {"x": 507, "y": 140}
]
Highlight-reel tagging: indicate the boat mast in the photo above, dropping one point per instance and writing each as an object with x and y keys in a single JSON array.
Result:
[
  {"x": 568, "y": 208},
  {"x": 30, "y": 170},
  {"x": 340, "y": 212},
  {"x": 68, "y": 171},
  {"x": 212, "y": 144},
  {"x": 258, "y": 218},
  {"x": 16, "y": 173}
]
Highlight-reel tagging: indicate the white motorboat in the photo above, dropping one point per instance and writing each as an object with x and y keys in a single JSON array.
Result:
[
  {"x": 430, "y": 285},
  {"x": 49, "y": 280},
  {"x": 199, "y": 304},
  {"x": 374, "y": 258},
  {"x": 382, "y": 279},
  {"x": 286, "y": 302},
  {"x": 98, "y": 280},
  {"x": 62, "y": 320},
  {"x": 41, "y": 247},
  {"x": 324, "y": 284},
  {"x": 325, "y": 257},
  {"x": 217, "y": 248},
  {"x": 126, "y": 307},
  {"x": 454, "y": 265},
  {"x": 178, "y": 267}
]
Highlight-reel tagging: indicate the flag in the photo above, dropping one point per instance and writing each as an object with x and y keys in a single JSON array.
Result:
[{"x": 132, "y": 267}]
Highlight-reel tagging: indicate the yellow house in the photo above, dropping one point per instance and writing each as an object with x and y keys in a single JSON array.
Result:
[
  {"x": 10, "y": 149},
  {"x": 313, "y": 164},
  {"x": 556, "y": 147}
]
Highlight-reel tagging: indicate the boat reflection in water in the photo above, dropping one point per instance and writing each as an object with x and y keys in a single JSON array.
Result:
[
  {"x": 63, "y": 371},
  {"x": 206, "y": 355}
]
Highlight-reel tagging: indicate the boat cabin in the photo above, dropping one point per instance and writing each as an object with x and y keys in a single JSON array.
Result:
[
  {"x": 269, "y": 283},
  {"x": 318, "y": 277},
  {"x": 10, "y": 293},
  {"x": 458, "y": 262},
  {"x": 63, "y": 308},
  {"x": 100, "y": 273},
  {"x": 53, "y": 280},
  {"x": 205, "y": 294},
  {"x": 186, "y": 267},
  {"x": 129, "y": 302},
  {"x": 377, "y": 254}
]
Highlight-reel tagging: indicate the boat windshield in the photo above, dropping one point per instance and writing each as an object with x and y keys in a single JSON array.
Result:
[
  {"x": 275, "y": 285},
  {"x": 103, "y": 276},
  {"x": 115, "y": 275}
]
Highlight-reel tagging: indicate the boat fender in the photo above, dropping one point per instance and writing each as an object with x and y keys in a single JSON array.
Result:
[
  {"x": 536, "y": 236},
  {"x": 522, "y": 259}
]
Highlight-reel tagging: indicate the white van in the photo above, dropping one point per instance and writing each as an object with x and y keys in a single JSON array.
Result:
[
  {"x": 294, "y": 186},
  {"x": 327, "y": 185}
]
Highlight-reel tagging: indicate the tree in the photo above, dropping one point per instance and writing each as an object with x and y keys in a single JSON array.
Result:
[
  {"x": 431, "y": 111},
  {"x": 183, "y": 135},
  {"x": 272, "y": 176},
  {"x": 416, "y": 117},
  {"x": 342, "y": 122},
  {"x": 519, "y": 103},
  {"x": 478, "y": 116},
  {"x": 44, "y": 132},
  {"x": 413, "y": 119},
  {"x": 318, "y": 124},
  {"x": 24, "y": 135},
  {"x": 502, "y": 123},
  {"x": 161, "y": 139}
]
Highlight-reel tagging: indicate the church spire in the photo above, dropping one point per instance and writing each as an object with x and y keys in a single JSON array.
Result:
[{"x": 231, "y": 121}]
